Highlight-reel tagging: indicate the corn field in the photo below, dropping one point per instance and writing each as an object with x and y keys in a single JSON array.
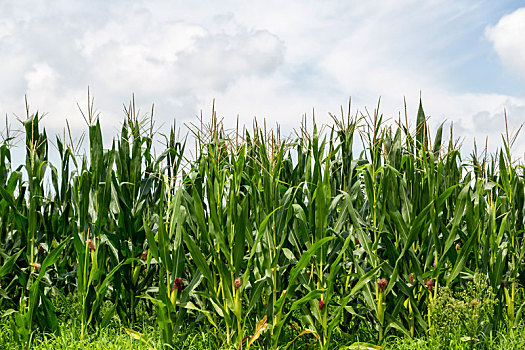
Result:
[{"x": 255, "y": 235}]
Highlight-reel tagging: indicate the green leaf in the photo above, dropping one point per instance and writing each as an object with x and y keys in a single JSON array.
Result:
[
  {"x": 197, "y": 256},
  {"x": 8, "y": 265}
]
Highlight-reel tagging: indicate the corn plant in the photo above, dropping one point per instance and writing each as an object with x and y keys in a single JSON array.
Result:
[{"x": 255, "y": 235}]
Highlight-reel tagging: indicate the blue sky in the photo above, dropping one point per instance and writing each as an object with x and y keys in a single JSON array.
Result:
[
  {"x": 270, "y": 59},
  {"x": 480, "y": 69}
]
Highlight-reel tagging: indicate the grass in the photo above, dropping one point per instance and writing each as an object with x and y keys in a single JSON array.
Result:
[
  {"x": 115, "y": 337},
  {"x": 500, "y": 342}
]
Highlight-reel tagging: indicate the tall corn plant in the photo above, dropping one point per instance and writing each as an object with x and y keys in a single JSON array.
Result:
[
  {"x": 165, "y": 249},
  {"x": 35, "y": 309},
  {"x": 10, "y": 249},
  {"x": 96, "y": 201},
  {"x": 136, "y": 188},
  {"x": 218, "y": 227}
]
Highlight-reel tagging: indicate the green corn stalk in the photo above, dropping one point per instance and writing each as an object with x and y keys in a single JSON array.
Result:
[
  {"x": 92, "y": 283},
  {"x": 36, "y": 308}
]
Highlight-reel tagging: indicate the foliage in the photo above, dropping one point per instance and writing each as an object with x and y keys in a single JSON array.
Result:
[
  {"x": 467, "y": 313},
  {"x": 253, "y": 235}
]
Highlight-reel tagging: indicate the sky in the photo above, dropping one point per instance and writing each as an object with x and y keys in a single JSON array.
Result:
[{"x": 274, "y": 60}]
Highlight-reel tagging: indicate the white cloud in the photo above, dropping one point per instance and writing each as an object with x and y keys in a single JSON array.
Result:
[
  {"x": 272, "y": 59},
  {"x": 172, "y": 62},
  {"x": 508, "y": 39},
  {"x": 40, "y": 76}
]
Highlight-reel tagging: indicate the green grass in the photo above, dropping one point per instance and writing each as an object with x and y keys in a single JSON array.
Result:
[
  {"x": 500, "y": 342},
  {"x": 115, "y": 337}
]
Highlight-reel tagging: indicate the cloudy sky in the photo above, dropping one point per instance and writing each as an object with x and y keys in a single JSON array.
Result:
[{"x": 271, "y": 59}]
